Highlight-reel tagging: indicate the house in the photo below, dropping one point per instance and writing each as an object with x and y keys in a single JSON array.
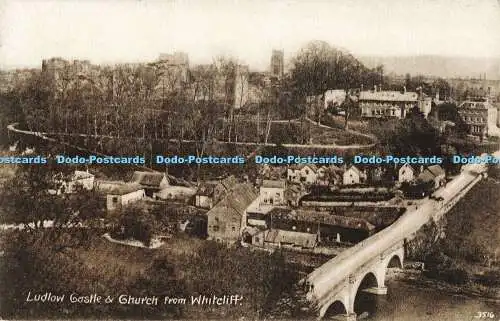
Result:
[
  {"x": 82, "y": 179},
  {"x": 204, "y": 196},
  {"x": 225, "y": 219},
  {"x": 392, "y": 104},
  {"x": 306, "y": 174},
  {"x": 283, "y": 238},
  {"x": 255, "y": 214},
  {"x": 267, "y": 171},
  {"x": 353, "y": 176},
  {"x": 122, "y": 195},
  {"x": 434, "y": 174},
  {"x": 272, "y": 192},
  {"x": 210, "y": 193},
  {"x": 152, "y": 182},
  {"x": 476, "y": 115},
  {"x": 180, "y": 193},
  {"x": 406, "y": 173},
  {"x": 326, "y": 225},
  {"x": 334, "y": 97}
]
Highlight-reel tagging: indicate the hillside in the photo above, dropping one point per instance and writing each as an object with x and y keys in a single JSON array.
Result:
[{"x": 438, "y": 66}]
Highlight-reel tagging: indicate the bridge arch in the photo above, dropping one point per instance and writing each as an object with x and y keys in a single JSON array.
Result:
[
  {"x": 361, "y": 300},
  {"x": 336, "y": 308},
  {"x": 396, "y": 261}
]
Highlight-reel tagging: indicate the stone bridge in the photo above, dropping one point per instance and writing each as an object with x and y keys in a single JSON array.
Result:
[
  {"x": 336, "y": 287},
  {"x": 368, "y": 278}
]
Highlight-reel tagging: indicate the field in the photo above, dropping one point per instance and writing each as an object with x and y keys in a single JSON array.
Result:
[
  {"x": 182, "y": 268},
  {"x": 463, "y": 249}
]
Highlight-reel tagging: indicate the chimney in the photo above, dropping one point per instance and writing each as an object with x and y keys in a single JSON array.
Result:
[{"x": 404, "y": 89}]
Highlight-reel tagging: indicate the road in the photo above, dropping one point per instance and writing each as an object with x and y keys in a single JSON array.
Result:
[
  {"x": 336, "y": 270},
  {"x": 45, "y": 135}
]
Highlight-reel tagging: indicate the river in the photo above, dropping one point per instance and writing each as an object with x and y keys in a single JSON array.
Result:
[{"x": 409, "y": 302}]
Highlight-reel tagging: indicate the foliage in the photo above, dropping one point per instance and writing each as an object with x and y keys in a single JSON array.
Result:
[
  {"x": 319, "y": 67},
  {"x": 135, "y": 223},
  {"x": 110, "y": 269},
  {"x": 410, "y": 136}
]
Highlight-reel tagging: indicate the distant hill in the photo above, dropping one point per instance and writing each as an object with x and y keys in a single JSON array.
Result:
[{"x": 439, "y": 66}]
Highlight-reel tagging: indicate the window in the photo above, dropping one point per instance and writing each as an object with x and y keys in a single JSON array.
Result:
[
  {"x": 233, "y": 228},
  {"x": 115, "y": 199}
]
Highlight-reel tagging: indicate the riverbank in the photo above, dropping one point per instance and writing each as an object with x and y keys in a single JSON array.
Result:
[{"x": 418, "y": 280}]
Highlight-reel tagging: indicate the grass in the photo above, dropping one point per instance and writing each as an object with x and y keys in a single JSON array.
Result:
[{"x": 473, "y": 224}]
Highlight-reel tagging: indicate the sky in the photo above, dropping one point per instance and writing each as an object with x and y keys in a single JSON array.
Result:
[{"x": 112, "y": 31}]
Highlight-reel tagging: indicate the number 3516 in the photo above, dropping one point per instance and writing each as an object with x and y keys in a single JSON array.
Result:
[{"x": 485, "y": 315}]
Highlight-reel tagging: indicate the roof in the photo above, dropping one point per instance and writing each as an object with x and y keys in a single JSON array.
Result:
[
  {"x": 250, "y": 230},
  {"x": 426, "y": 176},
  {"x": 355, "y": 169},
  {"x": 229, "y": 182},
  {"x": 299, "y": 167},
  {"x": 436, "y": 170},
  {"x": 293, "y": 188},
  {"x": 321, "y": 217},
  {"x": 175, "y": 191},
  {"x": 82, "y": 175},
  {"x": 408, "y": 96},
  {"x": 292, "y": 237},
  {"x": 407, "y": 166},
  {"x": 475, "y": 105},
  {"x": 235, "y": 202},
  {"x": 273, "y": 183},
  {"x": 334, "y": 168},
  {"x": 149, "y": 179},
  {"x": 206, "y": 189},
  {"x": 123, "y": 189}
]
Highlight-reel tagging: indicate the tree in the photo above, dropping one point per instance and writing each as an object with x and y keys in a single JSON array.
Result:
[
  {"x": 136, "y": 223},
  {"x": 30, "y": 198},
  {"x": 319, "y": 67},
  {"x": 348, "y": 107}
]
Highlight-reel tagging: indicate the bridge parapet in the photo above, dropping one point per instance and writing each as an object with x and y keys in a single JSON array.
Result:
[{"x": 347, "y": 290}]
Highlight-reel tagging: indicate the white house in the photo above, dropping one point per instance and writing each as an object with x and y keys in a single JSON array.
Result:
[
  {"x": 152, "y": 182},
  {"x": 272, "y": 192},
  {"x": 306, "y": 174},
  {"x": 353, "y": 176},
  {"x": 334, "y": 97},
  {"x": 123, "y": 195},
  {"x": 406, "y": 173}
]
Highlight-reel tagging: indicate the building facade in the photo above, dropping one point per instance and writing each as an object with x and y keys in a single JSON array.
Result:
[
  {"x": 392, "y": 104},
  {"x": 278, "y": 63},
  {"x": 123, "y": 196},
  {"x": 273, "y": 192},
  {"x": 476, "y": 114}
]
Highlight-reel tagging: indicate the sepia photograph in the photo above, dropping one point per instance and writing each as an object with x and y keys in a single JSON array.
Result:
[{"x": 250, "y": 160}]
